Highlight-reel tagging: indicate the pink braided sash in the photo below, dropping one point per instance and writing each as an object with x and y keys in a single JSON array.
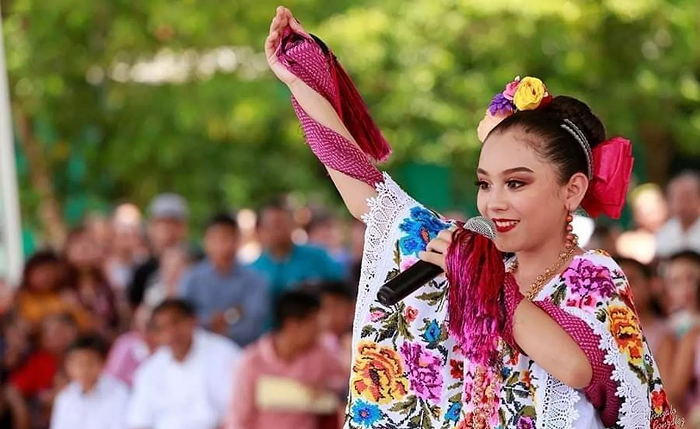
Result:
[{"x": 317, "y": 68}]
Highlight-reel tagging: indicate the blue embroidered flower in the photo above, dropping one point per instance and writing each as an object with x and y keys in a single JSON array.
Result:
[
  {"x": 433, "y": 332},
  {"x": 452, "y": 413},
  {"x": 365, "y": 414},
  {"x": 505, "y": 372},
  {"x": 420, "y": 228}
]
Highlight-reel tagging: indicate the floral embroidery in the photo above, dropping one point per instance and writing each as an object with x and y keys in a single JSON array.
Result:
[
  {"x": 658, "y": 401},
  {"x": 625, "y": 329},
  {"x": 411, "y": 314},
  {"x": 409, "y": 373},
  {"x": 457, "y": 369},
  {"x": 586, "y": 279},
  {"x": 378, "y": 374},
  {"x": 433, "y": 332},
  {"x": 453, "y": 412},
  {"x": 364, "y": 414},
  {"x": 423, "y": 371},
  {"x": 420, "y": 228}
]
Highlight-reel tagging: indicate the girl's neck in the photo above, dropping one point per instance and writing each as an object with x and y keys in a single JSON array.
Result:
[{"x": 534, "y": 262}]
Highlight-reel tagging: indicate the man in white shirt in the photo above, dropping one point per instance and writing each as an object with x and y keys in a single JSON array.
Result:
[
  {"x": 91, "y": 400},
  {"x": 187, "y": 383},
  {"x": 682, "y": 231}
]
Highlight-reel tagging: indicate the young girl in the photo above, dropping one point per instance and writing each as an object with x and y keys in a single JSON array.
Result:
[
  {"x": 87, "y": 280},
  {"x": 42, "y": 292},
  {"x": 570, "y": 352}
]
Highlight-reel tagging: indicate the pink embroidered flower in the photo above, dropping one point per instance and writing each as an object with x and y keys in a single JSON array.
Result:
[
  {"x": 410, "y": 314},
  {"x": 509, "y": 92},
  {"x": 423, "y": 370},
  {"x": 407, "y": 263},
  {"x": 526, "y": 423},
  {"x": 584, "y": 277},
  {"x": 377, "y": 315}
]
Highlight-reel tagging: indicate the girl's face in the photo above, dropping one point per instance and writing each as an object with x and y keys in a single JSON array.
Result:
[
  {"x": 83, "y": 252},
  {"x": 44, "y": 277},
  {"x": 682, "y": 280},
  {"x": 640, "y": 285},
  {"x": 520, "y": 192}
]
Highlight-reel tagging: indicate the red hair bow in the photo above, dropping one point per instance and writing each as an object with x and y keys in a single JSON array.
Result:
[{"x": 612, "y": 171}]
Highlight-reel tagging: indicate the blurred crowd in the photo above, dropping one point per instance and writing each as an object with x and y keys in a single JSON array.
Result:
[{"x": 131, "y": 326}]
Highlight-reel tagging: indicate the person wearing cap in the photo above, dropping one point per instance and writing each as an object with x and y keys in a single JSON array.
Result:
[{"x": 167, "y": 228}]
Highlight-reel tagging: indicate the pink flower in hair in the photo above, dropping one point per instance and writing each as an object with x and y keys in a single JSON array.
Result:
[{"x": 509, "y": 92}]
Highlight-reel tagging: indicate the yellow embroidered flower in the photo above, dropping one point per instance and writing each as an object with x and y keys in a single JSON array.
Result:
[
  {"x": 378, "y": 374},
  {"x": 625, "y": 329},
  {"x": 529, "y": 94}
]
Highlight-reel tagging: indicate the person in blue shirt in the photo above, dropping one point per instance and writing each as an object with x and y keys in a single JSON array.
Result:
[
  {"x": 287, "y": 265},
  {"x": 230, "y": 299}
]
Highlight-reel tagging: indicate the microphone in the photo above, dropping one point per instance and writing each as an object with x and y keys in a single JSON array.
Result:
[{"x": 422, "y": 272}]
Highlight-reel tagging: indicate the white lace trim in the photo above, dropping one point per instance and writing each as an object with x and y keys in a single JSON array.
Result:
[
  {"x": 635, "y": 412},
  {"x": 555, "y": 402},
  {"x": 384, "y": 211}
]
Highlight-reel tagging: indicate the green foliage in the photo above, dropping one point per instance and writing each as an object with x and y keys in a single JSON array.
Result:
[{"x": 428, "y": 69}]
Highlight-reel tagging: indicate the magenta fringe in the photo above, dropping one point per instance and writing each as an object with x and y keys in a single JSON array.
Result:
[{"x": 476, "y": 272}]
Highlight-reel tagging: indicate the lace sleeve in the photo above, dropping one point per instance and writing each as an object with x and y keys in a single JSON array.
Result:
[{"x": 601, "y": 391}]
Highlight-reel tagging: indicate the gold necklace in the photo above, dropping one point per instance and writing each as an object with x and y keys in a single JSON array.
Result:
[{"x": 543, "y": 279}]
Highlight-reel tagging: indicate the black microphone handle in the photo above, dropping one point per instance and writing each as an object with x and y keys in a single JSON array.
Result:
[{"x": 407, "y": 282}]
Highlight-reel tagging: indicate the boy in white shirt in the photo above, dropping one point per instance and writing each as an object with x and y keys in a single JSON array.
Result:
[
  {"x": 186, "y": 384},
  {"x": 91, "y": 400}
]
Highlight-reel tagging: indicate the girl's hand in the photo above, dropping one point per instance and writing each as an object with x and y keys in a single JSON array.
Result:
[
  {"x": 435, "y": 252},
  {"x": 280, "y": 22}
]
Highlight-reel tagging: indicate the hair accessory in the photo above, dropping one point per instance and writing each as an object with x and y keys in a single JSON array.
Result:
[
  {"x": 580, "y": 137},
  {"x": 528, "y": 93}
]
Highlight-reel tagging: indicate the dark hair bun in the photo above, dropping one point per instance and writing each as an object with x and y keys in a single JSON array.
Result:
[{"x": 578, "y": 112}]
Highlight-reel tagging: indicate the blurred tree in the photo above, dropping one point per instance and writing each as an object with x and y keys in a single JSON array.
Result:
[{"x": 116, "y": 99}]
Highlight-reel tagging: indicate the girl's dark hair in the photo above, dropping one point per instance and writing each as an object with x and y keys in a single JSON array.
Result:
[
  {"x": 542, "y": 130},
  {"x": 38, "y": 259}
]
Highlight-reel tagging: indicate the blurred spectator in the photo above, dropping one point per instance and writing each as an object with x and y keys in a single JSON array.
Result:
[
  {"x": 604, "y": 237},
  {"x": 649, "y": 212},
  {"x": 42, "y": 292},
  {"x": 84, "y": 276},
  {"x": 650, "y": 312},
  {"x": 336, "y": 316},
  {"x": 285, "y": 264},
  {"x": 124, "y": 257},
  {"x": 649, "y": 208},
  {"x": 682, "y": 231},
  {"x": 14, "y": 345},
  {"x": 174, "y": 262},
  {"x": 290, "y": 354},
  {"x": 132, "y": 348},
  {"x": 35, "y": 383},
  {"x": 682, "y": 280},
  {"x": 167, "y": 228},
  {"x": 326, "y": 232},
  {"x": 186, "y": 384},
  {"x": 91, "y": 400},
  {"x": 230, "y": 299},
  {"x": 99, "y": 228}
]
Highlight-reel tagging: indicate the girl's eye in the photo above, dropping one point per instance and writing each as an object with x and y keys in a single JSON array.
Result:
[
  {"x": 515, "y": 184},
  {"x": 482, "y": 185}
]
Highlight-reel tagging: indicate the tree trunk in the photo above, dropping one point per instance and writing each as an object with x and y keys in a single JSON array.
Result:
[{"x": 49, "y": 210}]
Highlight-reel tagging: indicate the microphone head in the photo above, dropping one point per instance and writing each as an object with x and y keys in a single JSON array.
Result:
[{"x": 481, "y": 225}]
